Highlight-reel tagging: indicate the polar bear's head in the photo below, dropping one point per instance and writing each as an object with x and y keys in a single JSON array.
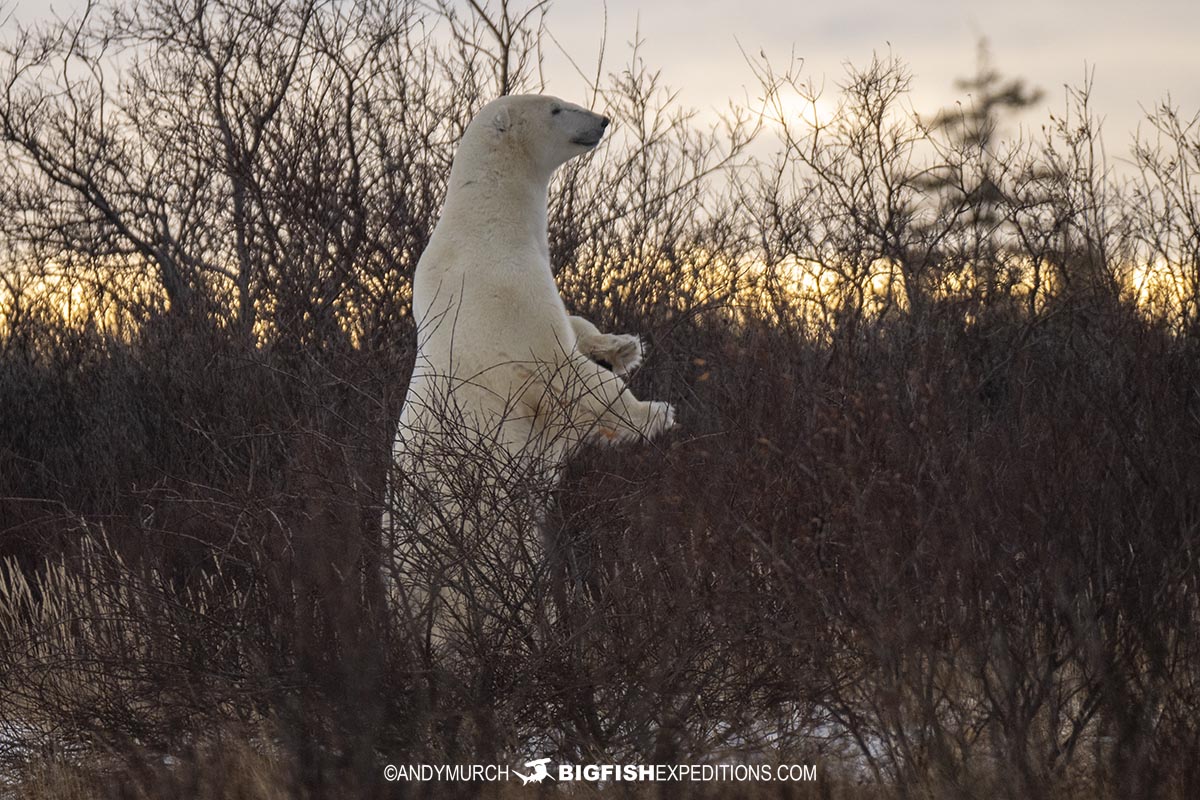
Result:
[{"x": 532, "y": 132}]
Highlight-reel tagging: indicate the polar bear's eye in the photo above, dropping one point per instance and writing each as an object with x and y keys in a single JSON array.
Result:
[{"x": 556, "y": 110}]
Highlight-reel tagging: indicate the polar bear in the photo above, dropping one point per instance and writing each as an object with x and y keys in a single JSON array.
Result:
[{"x": 506, "y": 384}]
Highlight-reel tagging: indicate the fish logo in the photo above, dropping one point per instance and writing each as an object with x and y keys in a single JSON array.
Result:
[{"x": 540, "y": 773}]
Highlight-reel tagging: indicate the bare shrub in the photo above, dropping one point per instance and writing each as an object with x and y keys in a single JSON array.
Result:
[{"x": 930, "y": 522}]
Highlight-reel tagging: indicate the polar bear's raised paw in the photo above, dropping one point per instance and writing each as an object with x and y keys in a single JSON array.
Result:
[{"x": 620, "y": 352}]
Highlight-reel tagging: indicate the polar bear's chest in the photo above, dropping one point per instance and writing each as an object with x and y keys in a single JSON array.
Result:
[{"x": 518, "y": 324}]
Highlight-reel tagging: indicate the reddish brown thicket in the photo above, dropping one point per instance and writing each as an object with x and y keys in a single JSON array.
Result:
[{"x": 930, "y": 519}]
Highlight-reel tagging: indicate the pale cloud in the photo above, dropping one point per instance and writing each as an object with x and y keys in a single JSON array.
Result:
[{"x": 1139, "y": 52}]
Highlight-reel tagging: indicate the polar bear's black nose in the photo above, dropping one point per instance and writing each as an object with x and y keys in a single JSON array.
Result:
[{"x": 604, "y": 122}]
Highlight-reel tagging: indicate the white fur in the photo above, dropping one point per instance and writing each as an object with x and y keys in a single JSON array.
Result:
[
  {"x": 493, "y": 331},
  {"x": 506, "y": 384}
]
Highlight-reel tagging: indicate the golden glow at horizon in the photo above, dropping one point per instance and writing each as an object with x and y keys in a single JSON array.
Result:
[
  {"x": 1157, "y": 286},
  {"x": 75, "y": 298}
]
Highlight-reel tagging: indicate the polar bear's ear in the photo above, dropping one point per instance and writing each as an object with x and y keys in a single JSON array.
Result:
[{"x": 502, "y": 121}]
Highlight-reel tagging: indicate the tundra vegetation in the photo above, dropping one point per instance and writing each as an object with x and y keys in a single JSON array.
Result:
[{"x": 930, "y": 520}]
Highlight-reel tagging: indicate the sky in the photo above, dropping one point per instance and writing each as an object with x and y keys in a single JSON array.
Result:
[{"x": 1139, "y": 51}]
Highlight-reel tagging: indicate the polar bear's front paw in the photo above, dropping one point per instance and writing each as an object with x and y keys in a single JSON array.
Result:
[
  {"x": 660, "y": 418},
  {"x": 644, "y": 421},
  {"x": 621, "y": 352}
]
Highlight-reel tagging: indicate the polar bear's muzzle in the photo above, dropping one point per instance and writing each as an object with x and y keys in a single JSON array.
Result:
[{"x": 592, "y": 135}]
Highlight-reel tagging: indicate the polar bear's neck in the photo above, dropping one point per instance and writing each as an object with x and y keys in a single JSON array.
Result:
[
  {"x": 497, "y": 199},
  {"x": 507, "y": 208}
]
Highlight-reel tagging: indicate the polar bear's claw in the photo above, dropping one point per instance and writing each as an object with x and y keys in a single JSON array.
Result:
[
  {"x": 628, "y": 354},
  {"x": 659, "y": 419},
  {"x": 620, "y": 352}
]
